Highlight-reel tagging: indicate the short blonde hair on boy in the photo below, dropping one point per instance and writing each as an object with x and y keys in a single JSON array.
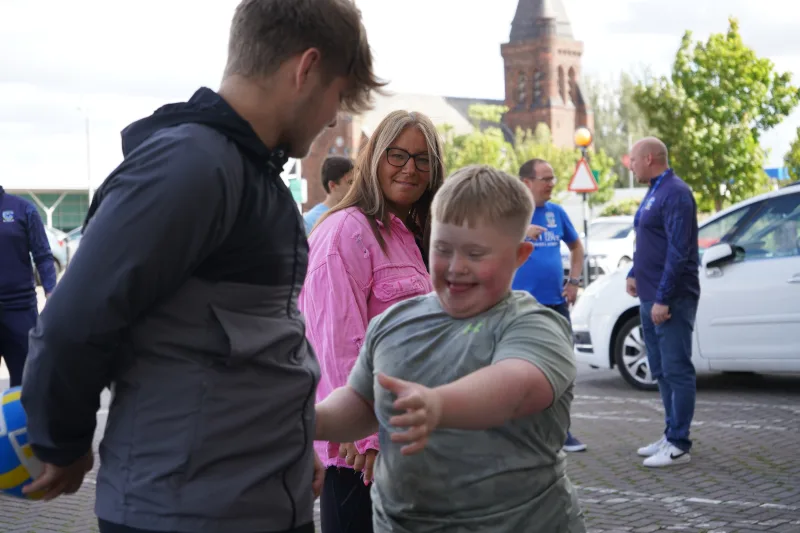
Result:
[{"x": 480, "y": 193}]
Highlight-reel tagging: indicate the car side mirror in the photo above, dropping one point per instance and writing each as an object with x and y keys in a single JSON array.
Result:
[{"x": 718, "y": 254}]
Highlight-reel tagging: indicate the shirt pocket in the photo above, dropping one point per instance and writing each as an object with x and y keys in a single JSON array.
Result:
[{"x": 399, "y": 286}]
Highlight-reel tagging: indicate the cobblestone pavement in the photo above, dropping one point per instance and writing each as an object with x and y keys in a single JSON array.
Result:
[{"x": 744, "y": 476}]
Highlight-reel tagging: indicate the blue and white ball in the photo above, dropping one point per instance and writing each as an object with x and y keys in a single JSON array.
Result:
[{"x": 18, "y": 466}]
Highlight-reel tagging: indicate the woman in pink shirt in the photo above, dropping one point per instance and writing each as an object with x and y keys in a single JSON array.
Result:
[{"x": 368, "y": 253}]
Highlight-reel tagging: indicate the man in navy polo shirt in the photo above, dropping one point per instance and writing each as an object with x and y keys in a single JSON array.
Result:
[
  {"x": 22, "y": 235},
  {"x": 542, "y": 274},
  {"x": 665, "y": 279}
]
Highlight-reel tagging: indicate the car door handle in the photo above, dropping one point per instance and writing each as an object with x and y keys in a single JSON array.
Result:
[{"x": 794, "y": 279}]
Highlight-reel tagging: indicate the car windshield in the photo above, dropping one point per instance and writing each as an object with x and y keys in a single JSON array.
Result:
[{"x": 609, "y": 230}]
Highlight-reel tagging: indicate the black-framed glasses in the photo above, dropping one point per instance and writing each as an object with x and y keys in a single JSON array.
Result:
[{"x": 397, "y": 157}]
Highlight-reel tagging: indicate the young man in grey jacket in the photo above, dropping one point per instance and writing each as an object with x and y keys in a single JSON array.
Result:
[{"x": 183, "y": 295}]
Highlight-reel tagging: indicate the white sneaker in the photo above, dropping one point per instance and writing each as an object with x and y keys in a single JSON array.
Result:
[
  {"x": 652, "y": 448},
  {"x": 668, "y": 455}
]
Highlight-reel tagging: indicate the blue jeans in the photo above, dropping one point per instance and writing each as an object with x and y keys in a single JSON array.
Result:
[{"x": 669, "y": 352}]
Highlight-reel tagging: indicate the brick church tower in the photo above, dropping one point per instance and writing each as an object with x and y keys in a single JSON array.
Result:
[{"x": 543, "y": 71}]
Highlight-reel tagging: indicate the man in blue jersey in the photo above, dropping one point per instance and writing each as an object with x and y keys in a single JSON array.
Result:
[
  {"x": 22, "y": 235},
  {"x": 665, "y": 279},
  {"x": 542, "y": 274}
]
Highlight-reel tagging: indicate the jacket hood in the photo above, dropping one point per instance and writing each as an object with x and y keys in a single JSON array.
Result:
[{"x": 210, "y": 109}]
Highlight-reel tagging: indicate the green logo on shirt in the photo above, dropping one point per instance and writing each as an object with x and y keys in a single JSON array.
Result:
[{"x": 473, "y": 328}]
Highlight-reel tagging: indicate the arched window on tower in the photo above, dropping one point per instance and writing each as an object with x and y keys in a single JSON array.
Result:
[
  {"x": 522, "y": 88},
  {"x": 538, "y": 95},
  {"x": 562, "y": 85},
  {"x": 573, "y": 86}
]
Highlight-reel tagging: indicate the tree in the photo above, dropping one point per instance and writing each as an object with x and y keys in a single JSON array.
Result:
[
  {"x": 711, "y": 113},
  {"x": 617, "y": 119},
  {"x": 488, "y": 146},
  {"x": 628, "y": 207},
  {"x": 792, "y": 158}
]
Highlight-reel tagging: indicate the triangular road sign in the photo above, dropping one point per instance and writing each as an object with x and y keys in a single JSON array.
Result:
[{"x": 582, "y": 180}]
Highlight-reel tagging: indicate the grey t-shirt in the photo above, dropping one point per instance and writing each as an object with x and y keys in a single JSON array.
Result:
[{"x": 507, "y": 479}]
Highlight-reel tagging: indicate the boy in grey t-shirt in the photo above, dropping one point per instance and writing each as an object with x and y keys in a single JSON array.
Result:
[{"x": 473, "y": 417}]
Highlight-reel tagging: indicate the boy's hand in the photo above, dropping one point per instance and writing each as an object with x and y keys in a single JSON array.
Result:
[
  {"x": 360, "y": 462},
  {"x": 423, "y": 411},
  {"x": 534, "y": 231}
]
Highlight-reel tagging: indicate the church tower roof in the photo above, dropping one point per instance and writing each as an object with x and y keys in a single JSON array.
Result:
[{"x": 534, "y": 18}]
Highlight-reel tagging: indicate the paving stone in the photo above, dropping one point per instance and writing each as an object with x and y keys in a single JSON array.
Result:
[{"x": 743, "y": 478}]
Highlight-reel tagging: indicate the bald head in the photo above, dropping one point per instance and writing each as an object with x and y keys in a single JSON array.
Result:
[{"x": 649, "y": 158}]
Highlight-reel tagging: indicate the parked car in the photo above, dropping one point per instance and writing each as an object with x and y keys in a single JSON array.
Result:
[
  {"x": 58, "y": 247},
  {"x": 610, "y": 245},
  {"x": 748, "y": 318},
  {"x": 73, "y": 241}
]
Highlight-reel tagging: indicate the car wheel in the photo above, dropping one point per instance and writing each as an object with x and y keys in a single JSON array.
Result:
[
  {"x": 625, "y": 261},
  {"x": 630, "y": 355}
]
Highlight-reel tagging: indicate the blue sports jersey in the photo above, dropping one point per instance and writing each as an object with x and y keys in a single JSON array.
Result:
[{"x": 542, "y": 274}]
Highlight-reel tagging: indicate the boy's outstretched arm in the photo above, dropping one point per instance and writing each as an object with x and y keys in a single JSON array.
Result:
[
  {"x": 532, "y": 366},
  {"x": 487, "y": 398},
  {"x": 492, "y": 396},
  {"x": 345, "y": 416}
]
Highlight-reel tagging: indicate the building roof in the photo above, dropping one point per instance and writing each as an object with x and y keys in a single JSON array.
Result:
[
  {"x": 436, "y": 107},
  {"x": 453, "y": 111},
  {"x": 526, "y": 25}
]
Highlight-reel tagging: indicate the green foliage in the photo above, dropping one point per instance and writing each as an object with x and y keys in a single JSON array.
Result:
[
  {"x": 792, "y": 158},
  {"x": 489, "y": 147},
  {"x": 486, "y": 113},
  {"x": 624, "y": 207},
  {"x": 712, "y": 111},
  {"x": 617, "y": 119}
]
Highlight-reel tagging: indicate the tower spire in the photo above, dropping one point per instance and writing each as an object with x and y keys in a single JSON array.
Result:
[{"x": 537, "y": 18}]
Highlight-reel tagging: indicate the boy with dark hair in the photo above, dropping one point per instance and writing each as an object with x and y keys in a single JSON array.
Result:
[{"x": 336, "y": 180}]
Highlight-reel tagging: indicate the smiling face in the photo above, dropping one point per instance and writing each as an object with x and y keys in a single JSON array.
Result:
[
  {"x": 472, "y": 267},
  {"x": 404, "y": 171},
  {"x": 542, "y": 183}
]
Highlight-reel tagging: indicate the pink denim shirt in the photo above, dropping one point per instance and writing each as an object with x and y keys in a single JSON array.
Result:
[{"x": 350, "y": 280}]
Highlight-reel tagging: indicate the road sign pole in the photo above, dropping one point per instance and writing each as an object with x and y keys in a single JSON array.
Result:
[
  {"x": 586, "y": 263},
  {"x": 584, "y": 182}
]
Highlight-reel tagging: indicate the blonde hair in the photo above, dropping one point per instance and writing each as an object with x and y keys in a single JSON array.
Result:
[
  {"x": 481, "y": 194},
  {"x": 366, "y": 193},
  {"x": 265, "y": 33}
]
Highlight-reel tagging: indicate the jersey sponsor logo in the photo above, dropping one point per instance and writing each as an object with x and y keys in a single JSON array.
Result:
[{"x": 8, "y": 216}]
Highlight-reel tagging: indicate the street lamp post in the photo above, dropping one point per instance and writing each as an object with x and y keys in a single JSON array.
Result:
[{"x": 583, "y": 139}]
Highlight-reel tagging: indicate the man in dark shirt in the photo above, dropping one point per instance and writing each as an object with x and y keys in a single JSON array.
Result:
[
  {"x": 665, "y": 279},
  {"x": 22, "y": 236}
]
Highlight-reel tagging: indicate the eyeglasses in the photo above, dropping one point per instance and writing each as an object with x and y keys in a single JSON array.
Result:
[
  {"x": 397, "y": 157},
  {"x": 552, "y": 180}
]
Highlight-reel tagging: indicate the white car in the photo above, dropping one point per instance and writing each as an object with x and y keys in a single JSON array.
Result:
[
  {"x": 748, "y": 318},
  {"x": 610, "y": 245}
]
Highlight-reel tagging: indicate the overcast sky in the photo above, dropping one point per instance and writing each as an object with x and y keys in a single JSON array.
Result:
[{"x": 117, "y": 61}]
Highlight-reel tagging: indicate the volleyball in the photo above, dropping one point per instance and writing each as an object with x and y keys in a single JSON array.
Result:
[{"x": 18, "y": 466}]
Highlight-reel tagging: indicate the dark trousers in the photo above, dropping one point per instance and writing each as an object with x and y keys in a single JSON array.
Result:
[
  {"x": 563, "y": 310},
  {"x": 109, "y": 527},
  {"x": 345, "y": 505},
  {"x": 15, "y": 324},
  {"x": 669, "y": 353}
]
